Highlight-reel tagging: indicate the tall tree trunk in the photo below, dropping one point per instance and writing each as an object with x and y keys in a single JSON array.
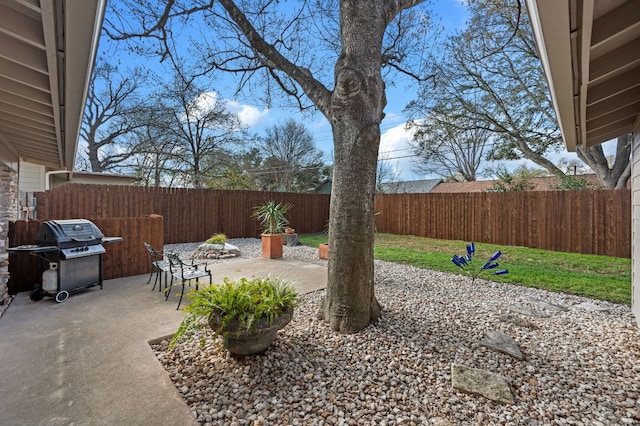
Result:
[
  {"x": 613, "y": 176},
  {"x": 356, "y": 112},
  {"x": 94, "y": 160}
]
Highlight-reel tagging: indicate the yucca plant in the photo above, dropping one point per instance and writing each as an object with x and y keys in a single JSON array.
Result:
[{"x": 272, "y": 216}]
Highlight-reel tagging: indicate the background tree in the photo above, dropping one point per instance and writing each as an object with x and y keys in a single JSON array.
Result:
[
  {"x": 516, "y": 180},
  {"x": 112, "y": 113},
  {"x": 289, "y": 52},
  {"x": 291, "y": 156},
  {"x": 613, "y": 172},
  {"x": 573, "y": 166},
  {"x": 490, "y": 75},
  {"x": 238, "y": 171},
  {"x": 520, "y": 178},
  {"x": 153, "y": 162},
  {"x": 201, "y": 129},
  {"x": 385, "y": 174},
  {"x": 449, "y": 149}
]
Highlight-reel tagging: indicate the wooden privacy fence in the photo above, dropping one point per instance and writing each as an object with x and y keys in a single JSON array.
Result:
[
  {"x": 589, "y": 222},
  {"x": 189, "y": 214},
  {"x": 123, "y": 259}
]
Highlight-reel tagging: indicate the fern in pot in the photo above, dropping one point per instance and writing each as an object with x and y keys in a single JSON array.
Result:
[{"x": 247, "y": 313}]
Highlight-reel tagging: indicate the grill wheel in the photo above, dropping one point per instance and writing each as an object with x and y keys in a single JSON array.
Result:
[
  {"x": 62, "y": 296},
  {"x": 36, "y": 295}
]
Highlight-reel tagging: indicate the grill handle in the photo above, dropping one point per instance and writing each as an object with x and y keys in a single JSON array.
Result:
[{"x": 82, "y": 240}]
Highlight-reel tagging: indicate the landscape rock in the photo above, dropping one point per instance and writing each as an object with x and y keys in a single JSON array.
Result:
[
  {"x": 549, "y": 306},
  {"x": 517, "y": 320},
  {"x": 214, "y": 251},
  {"x": 481, "y": 382},
  {"x": 439, "y": 421},
  {"x": 527, "y": 311},
  {"x": 592, "y": 307},
  {"x": 231, "y": 249},
  {"x": 500, "y": 342}
]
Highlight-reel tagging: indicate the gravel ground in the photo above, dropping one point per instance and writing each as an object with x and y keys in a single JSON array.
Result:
[{"x": 581, "y": 366}]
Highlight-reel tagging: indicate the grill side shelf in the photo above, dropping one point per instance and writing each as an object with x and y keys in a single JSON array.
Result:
[
  {"x": 32, "y": 249},
  {"x": 107, "y": 240}
]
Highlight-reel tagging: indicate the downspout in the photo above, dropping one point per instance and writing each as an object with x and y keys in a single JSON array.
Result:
[{"x": 47, "y": 177}]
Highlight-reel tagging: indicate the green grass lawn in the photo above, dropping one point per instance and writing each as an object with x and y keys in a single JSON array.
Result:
[{"x": 598, "y": 277}]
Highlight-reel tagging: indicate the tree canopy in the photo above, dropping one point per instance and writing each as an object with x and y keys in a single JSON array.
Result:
[
  {"x": 292, "y": 161},
  {"x": 489, "y": 76}
]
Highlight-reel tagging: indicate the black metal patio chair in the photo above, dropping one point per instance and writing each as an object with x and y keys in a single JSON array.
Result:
[
  {"x": 159, "y": 265},
  {"x": 185, "y": 271}
]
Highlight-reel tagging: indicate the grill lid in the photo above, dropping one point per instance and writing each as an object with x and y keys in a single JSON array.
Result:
[{"x": 68, "y": 233}]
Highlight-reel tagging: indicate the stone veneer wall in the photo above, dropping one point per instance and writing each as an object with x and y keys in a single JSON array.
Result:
[
  {"x": 8, "y": 212},
  {"x": 635, "y": 224}
]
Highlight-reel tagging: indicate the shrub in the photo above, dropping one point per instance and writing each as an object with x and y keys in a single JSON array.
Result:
[{"x": 217, "y": 239}]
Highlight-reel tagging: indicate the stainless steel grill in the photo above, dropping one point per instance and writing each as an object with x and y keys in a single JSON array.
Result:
[
  {"x": 74, "y": 238},
  {"x": 75, "y": 248}
]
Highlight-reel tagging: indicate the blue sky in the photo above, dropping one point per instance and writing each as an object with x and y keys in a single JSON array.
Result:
[{"x": 394, "y": 147}]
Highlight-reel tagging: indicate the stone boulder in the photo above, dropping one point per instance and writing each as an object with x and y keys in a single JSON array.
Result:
[
  {"x": 480, "y": 382},
  {"x": 500, "y": 342},
  {"x": 216, "y": 251}
]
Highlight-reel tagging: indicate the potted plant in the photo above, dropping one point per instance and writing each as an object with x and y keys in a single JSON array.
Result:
[
  {"x": 323, "y": 248},
  {"x": 323, "y": 251},
  {"x": 272, "y": 218},
  {"x": 247, "y": 313}
]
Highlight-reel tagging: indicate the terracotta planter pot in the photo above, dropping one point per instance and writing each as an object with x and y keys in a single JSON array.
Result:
[
  {"x": 240, "y": 341},
  {"x": 323, "y": 251},
  {"x": 272, "y": 245}
]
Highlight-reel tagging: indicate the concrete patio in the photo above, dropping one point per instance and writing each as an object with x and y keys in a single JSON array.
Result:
[{"x": 88, "y": 362}]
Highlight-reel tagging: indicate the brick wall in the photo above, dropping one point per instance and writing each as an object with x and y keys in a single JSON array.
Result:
[{"x": 8, "y": 212}]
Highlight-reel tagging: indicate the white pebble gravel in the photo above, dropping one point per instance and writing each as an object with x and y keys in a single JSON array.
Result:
[{"x": 581, "y": 367}]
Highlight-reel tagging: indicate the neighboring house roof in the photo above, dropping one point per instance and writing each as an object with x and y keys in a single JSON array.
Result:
[
  {"x": 47, "y": 51},
  {"x": 590, "y": 51},
  {"x": 541, "y": 184},
  {"x": 410, "y": 187},
  {"x": 477, "y": 186},
  {"x": 92, "y": 178}
]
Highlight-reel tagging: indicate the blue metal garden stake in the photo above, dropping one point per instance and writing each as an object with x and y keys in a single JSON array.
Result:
[{"x": 466, "y": 263}]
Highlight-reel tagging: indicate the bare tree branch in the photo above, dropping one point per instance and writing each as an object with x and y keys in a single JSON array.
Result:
[{"x": 315, "y": 90}]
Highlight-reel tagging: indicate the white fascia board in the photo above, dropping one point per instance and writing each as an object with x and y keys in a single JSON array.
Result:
[
  {"x": 552, "y": 31},
  {"x": 83, "y": 23}
]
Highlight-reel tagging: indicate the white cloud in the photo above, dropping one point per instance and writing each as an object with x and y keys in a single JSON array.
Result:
[
  {"x": 248, "y": 114},
  {"x": 205, "y": 102},
  {"x": 396, "y": 150}
]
